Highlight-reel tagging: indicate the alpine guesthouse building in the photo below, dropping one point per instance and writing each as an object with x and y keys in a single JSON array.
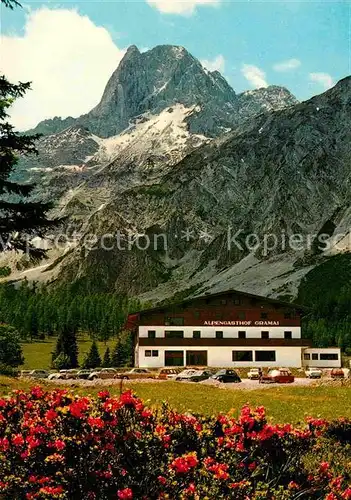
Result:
[{"x": 227, "y": 329}]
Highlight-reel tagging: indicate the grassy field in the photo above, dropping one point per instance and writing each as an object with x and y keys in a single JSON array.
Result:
[
  {"x": 38, "y": 354},
  {"x": 283, "y": 404}
]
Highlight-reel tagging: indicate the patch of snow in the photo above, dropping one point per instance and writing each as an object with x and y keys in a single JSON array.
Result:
[
  {"x": 168, "y": 126},
  {"x": 41, "y": 169}
]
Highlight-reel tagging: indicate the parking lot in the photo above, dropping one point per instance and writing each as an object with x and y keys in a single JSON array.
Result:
[
  {"x": 226, "y": 377},
  {"x": 245, "y": 384}
]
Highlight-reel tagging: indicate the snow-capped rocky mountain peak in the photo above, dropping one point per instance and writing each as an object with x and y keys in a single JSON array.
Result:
[{"x": 162, "y": 77}]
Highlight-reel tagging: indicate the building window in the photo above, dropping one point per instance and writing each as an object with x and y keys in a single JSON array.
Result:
[
  {"x": 196, "y": 335},
  {"x": 151, "y": 334},
  {"x": 288, "y": 335},
  {"x": 242, "y": 356},
  {"x": 219, "y": 335},
  {"x": 149, "y": 354},
  {"x": 328, "y": 356},
  {"x": 219, "y": 316},
  {"x": 197, "y": 314},
  {"x": 174, "y": 334},
  {"x": 287, "y": 315},
  {"x": 315, "y": 356},
  {"x": 236, "y": 301},
  {"x": 264, "y": 335},
  {"x": 223, "y": 302},
  {"x": 265, "y": 356},
  {"x": 307, "y": 356},
  {"x": 242, "y": 335},
  {"x": 241, "y": 315},
  {"x": 174, "y": 358},
  {"x": 264, "y": 315},
  {"x": 176, "y": 321}
]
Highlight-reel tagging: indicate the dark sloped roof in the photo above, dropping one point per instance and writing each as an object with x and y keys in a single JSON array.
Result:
[{"x": 161, "y": 307}]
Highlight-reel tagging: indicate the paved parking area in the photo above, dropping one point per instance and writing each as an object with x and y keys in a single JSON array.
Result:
[
  {"x": 250, "y": 385},
  {"x": 245, "y": 384}
]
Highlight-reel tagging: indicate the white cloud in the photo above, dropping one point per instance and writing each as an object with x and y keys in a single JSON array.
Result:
[
  {"x": 254, "y": 75},
  {"x": 184, "y": 7},
  {"x": 67, "y": 58},
  {"x": 288, "y": 65},
  {"x": 216, "y": 64},
  {"x": 323, "y": 79}
]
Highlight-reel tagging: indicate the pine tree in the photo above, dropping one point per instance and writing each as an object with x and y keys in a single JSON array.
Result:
[
  {"x": 67, "y": 345},
  {"x": 92, "y": 360},
  {"x": 117, "y": 358},
  {"x": 58, "y": 350},
  {"x": 20, "y": 218},
  {"x": 126, "y": 341},
  {"x": 107, "y": 358},
  {"x": 105, "y": 329}
]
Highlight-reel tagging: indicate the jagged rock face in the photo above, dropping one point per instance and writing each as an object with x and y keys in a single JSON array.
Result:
[
  {"x": 272, "y": 98},
  {"x": 61, "y": 162},
  {"x": 289, "y": 171},
  {"x": 166, "y": 75},
  {"x": 52, "y": 125},
  {"x": 75, "y": 167},
  {"x": 284, "y": 166}
]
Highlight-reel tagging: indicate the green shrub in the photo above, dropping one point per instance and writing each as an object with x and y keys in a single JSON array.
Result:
[
  {"x": 5, "y": 271},
  {"x": 10, "y": 347},
  {"x": 8, "y": 371},
  {"x": 61, "y": 362},
  {"x": 57, "y": 445}
]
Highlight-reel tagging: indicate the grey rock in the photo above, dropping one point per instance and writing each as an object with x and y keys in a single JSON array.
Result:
[{"x": 165, "y": 75}]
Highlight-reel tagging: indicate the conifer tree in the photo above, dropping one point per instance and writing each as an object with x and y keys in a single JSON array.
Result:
[
  {"x": 67, "y": 345},
  {"x": 92, "y": 360},
  {"x": 20, "y": 217},
  {"x": 117, "y": 358},
  {"x": 106, "y": 362}
]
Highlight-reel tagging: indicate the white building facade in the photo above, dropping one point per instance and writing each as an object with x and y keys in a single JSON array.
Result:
[{"x": 231, "y": 329}]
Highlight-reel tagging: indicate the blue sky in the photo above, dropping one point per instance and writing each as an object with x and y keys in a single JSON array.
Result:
[{"x": 303, "y": 45}]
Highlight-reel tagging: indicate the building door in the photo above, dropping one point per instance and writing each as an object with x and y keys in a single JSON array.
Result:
[
  {"x": 174, "y": 358},
  {"x": 196, "y": 358}
]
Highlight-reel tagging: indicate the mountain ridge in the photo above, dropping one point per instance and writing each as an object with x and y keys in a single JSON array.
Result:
[
  {"x": 281, "y": 166},
  {"x": 161, "y": 77}
]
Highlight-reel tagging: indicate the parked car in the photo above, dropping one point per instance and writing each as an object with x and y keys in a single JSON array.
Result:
[
  {"x": 24, "y": 373},
  {"x": 70, "y": 374},
  {"x": 279, "y": 376},
  {"x": 194, "y": 375},
  {"x": 83, "y": 374},
  {"x": 226, "y": 376},
  {"x": 167, "y": 373},
  {"x": 185, "y": 374},
  {"x": 38, "y": 374},
  {"x": 105, "y": 373},
  {"x": 64, "y": 374},
  {"x": 337, "y": 373},
  {"x": 313, "y": 373},
  {"x": 135, "y": 373},
  {"x": 254, "y": 373}
]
